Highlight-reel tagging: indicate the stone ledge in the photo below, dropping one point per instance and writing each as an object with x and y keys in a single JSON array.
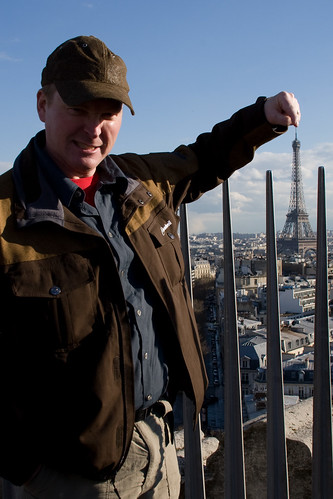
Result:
[
  {"x": 298, "y": 428},
  {"x": 299, "y": 466}
]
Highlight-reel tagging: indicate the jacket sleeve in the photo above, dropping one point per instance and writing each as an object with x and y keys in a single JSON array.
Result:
[
  {"x": 191, "y": 170},
  {"x": 229, "y": 146}
]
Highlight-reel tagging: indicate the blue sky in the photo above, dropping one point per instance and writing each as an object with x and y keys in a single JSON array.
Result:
[{"x": 190, "y": 64}]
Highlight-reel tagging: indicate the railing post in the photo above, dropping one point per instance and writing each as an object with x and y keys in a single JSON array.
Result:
[
  {"x": 322, "y": 474},
  {"x": 194, "y": 474},
  {"x": 234, "y": 476},
  {"x": 277, "y": 471}
]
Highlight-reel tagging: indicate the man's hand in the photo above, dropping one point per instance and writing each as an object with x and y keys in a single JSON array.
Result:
[{"x": 282, "y": 109}]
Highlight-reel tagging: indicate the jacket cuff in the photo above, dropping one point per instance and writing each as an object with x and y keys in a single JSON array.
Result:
[{"x": 277, "y": 129}]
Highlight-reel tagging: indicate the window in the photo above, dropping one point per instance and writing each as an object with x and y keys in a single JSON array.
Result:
[{"x": 245, "y": 363}]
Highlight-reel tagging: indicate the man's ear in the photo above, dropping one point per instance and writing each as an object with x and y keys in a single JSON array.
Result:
[{"x": 41, "y": 105}]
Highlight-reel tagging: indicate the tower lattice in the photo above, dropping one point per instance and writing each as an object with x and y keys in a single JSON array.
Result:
[{"x": 297, "y": 235}]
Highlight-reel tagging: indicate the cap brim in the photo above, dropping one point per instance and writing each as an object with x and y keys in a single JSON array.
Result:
[{"x": 74, "y": 93}]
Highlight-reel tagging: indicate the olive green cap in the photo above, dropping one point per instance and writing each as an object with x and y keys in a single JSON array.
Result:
[{"x": 83, "y": 69}]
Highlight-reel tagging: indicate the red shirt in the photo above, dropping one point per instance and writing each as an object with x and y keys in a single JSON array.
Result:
[{"x": 88, "y": 185}]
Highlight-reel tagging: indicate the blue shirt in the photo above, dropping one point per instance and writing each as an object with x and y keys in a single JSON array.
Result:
[{"x": 150, "y": 369}]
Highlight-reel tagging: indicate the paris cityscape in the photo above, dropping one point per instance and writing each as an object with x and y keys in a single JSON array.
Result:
[{"x": 296, "y": 270}]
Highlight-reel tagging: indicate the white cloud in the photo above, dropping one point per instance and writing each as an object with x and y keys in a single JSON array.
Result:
[
  {"x": 205, "y": 222},
  {"x": 5, "y": 57},
  {"x": 239, "y": 202}
]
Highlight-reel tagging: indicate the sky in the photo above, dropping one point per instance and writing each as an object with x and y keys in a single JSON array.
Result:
[{"x": 191, "y": 64}]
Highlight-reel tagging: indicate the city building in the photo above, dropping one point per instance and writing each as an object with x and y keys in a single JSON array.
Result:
[
  {"x": 297, "y": 299},
  {"x": 202, "y": 269}
]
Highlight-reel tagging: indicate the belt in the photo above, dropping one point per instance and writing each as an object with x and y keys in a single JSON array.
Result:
[
  {"x": 160, "y": 409},
  {"x": 142, "y": 414}
]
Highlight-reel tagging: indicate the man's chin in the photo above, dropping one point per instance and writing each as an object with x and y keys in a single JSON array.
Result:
[{"x": 89, "y": 164}]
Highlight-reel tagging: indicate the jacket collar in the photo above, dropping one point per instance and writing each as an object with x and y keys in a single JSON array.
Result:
[{"x": 37, "y": 202}]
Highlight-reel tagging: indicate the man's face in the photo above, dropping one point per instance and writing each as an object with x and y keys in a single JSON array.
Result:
[{"x": 79, "y": 138}]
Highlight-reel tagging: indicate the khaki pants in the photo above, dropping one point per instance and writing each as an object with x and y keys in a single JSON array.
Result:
[{"x": 149, "y": 471}]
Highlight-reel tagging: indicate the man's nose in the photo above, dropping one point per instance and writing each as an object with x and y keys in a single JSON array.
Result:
[{"x": 93, "y": 127}]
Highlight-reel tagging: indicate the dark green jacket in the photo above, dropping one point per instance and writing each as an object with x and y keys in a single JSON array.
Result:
[{"x": 66, "y": 374}]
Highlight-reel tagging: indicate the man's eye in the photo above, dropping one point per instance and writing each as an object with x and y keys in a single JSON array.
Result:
[{"x": 75, "y": 110}]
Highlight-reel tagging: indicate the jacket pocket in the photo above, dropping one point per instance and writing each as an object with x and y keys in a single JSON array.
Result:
[
  {"x": 164, "y": 235},
  {"x": 55, "y": 299}
]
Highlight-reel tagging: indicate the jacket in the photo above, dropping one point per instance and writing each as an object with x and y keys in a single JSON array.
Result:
[{"x": 66, "y": 373}]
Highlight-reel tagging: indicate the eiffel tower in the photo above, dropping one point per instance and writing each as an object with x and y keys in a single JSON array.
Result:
[{"x": 297, "y": 236}]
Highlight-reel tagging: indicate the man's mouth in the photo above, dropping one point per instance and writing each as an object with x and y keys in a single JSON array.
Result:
[{"x": 87, "y": 147}]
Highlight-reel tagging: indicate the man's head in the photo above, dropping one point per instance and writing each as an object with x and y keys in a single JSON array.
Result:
[
  {"x": 83, "y": 69},
  {"x": 83, "y": 89}
]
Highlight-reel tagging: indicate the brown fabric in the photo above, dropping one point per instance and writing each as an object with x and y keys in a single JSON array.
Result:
[{"x": 83, "y": 69}]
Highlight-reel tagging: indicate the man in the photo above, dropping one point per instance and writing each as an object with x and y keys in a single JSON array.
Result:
[{"x": 97, "y": 331}]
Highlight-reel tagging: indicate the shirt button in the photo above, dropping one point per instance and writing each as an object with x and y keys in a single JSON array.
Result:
[
  {"x": 139, "y": 312},
  {"x": 110, "y": 235},
  {"x": 146, "y": 355},
  {"x": 55, "y": 291},
  {"x": 122, "y": 272},
  {"x": 149, "y": 397},
  {"x": 149, "y": 194},
  {"x": 172, "y": 236}
]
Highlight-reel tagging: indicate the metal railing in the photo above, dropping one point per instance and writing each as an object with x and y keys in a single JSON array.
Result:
[
  {"x": 234, "y": 482},
  {"x": 277, "y": 473},
  {"x": 195, "y": 482},
  {"x": 277, "y": 469},
  {"x": 322, "y": 479}
]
